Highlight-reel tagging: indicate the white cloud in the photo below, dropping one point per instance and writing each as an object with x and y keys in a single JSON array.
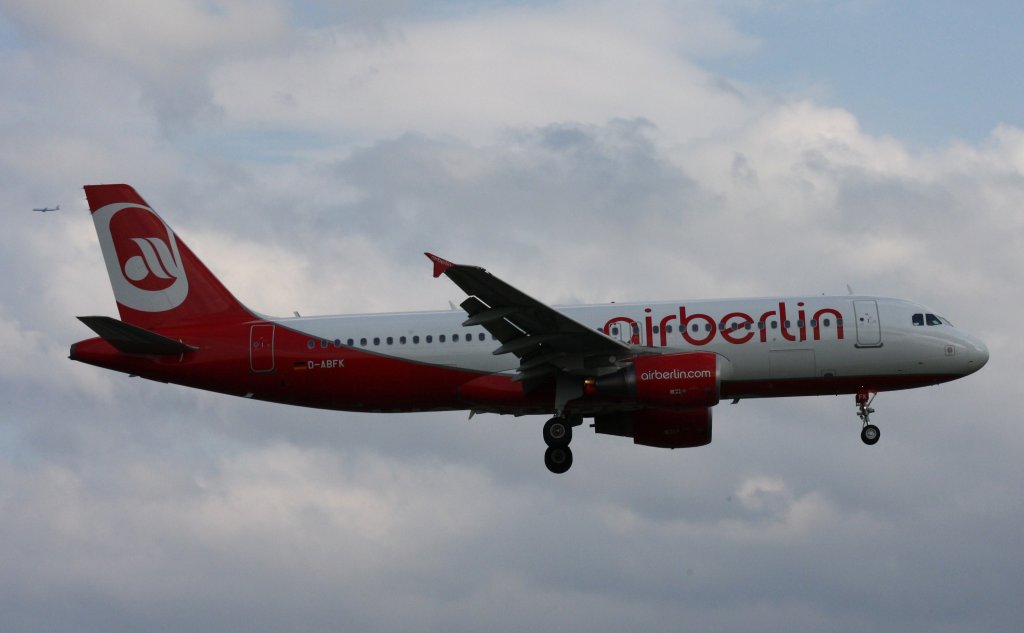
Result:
[
  {"x": 156, "y": 38},
  {"x": 167, "y": 48},
  {"x": 485, "y": 72}
]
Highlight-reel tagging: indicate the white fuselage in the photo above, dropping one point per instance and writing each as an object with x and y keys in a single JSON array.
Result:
[{"x": 762, "y": 339}]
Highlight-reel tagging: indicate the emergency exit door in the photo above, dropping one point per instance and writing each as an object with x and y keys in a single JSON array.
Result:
[{"x": 261, "y": 348}]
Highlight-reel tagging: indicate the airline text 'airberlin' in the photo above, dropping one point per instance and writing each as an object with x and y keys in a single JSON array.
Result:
[{"x": 735, "y": 327}]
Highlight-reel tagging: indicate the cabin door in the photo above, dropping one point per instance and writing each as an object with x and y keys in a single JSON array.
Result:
[
  {"x": 869, "y": 332},
  {"x": 261, "y": 348}
]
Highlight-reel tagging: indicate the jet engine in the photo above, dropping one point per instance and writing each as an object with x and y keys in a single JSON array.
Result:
[
  {"x": 663, "y": 428},
  {"x": 686, "y": 380}
]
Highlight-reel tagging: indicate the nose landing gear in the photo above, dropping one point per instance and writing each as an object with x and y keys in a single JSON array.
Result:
[
  {"x": 869, "y": 434},
  {"x": 557, "y": 435}
]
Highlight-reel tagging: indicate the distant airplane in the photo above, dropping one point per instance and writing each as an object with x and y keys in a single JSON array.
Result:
[
  {"x": 46, "y": 209},
  {"x": 648, "y": 371}
]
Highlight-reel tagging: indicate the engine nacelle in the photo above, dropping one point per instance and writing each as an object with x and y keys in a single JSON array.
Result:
[
  {"x": 690, "y": 379},
  {"x": 663, "y": 428}
]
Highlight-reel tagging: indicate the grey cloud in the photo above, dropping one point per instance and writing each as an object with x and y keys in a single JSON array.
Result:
[
  {"x": 565, "y": 186},
  {"x": 167, "y": 50}
]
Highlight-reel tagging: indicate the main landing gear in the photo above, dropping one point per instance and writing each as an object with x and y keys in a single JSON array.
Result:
[
  {"x": 870, "y": 433},
  {"x": 557, "y": 435}
]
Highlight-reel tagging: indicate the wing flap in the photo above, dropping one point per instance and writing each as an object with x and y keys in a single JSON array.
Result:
[
  {"x": 523, "y": 345},
  {"x": 489, "y": 314}
]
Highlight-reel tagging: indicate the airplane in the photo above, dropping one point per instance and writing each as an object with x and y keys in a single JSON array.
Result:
[
  {"x": 48, "y": 209},
  {"x": 647, "y": 371}
]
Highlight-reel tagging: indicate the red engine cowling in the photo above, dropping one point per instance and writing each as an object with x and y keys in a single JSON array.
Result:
[
  {"x": 662, "y": 428},
  {"x": 684, "y": 380}
]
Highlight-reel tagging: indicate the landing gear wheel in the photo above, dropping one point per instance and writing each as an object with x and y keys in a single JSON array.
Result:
[
  {"x": 870, "y": 434},
  {"x": 558, "y": 433},
  {"x": 558, "y": 459}
]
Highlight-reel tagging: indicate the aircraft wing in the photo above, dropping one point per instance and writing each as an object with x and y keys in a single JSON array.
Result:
[{"x": 545, "y": 340}]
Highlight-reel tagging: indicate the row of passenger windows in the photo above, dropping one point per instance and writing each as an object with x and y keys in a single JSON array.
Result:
[
  {"x": 746, "y": 325},
  {"x": 928, "y": 319},
  {"x": 468, "y": 338},
  {"x": 401, "y": 340}
]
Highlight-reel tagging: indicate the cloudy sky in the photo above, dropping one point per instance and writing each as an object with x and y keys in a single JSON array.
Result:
[{"x": 309, "y": 152}]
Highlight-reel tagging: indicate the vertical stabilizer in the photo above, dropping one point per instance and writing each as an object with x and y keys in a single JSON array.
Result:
[{"x": 157, "y": 280}]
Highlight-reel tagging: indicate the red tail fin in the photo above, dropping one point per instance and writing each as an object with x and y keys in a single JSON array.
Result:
[{"x": 157, "y": 280}]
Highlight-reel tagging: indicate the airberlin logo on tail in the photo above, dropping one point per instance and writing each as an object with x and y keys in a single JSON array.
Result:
[
  {"x": 156, "y": 260},
  {"x": 142, "y": 257}
]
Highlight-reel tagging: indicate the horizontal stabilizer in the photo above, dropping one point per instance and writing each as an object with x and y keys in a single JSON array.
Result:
[{"x": 132, "y": 339}]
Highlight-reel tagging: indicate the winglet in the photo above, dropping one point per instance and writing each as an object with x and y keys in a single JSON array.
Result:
[{"x": 440, "y": 265}]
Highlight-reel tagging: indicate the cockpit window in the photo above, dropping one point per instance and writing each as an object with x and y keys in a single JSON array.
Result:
[{"x": 928, "y": 319}]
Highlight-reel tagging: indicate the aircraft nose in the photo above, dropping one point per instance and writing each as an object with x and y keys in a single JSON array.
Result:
[{"x": 977, "y": 355}]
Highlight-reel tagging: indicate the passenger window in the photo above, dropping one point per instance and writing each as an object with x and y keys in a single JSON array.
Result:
[
  {"x": 826, "y": 322},
  {"x": 440, "y": 338},
  {"x": 337, "y": 342},
  {"x": 311, "y": 344},
  {"x": 376, "y": 340},
  {"x": 775, "y": 325},
  {"x": 483, "y": 337},
  {"x": 401, "y": 340},
  {"x": 455, "y": 338},
  {"x": 415, "y": 340},
  {"x": 324, "y": 342},
  {"x": 350, "y": 342},
  {"x": 362, "y": 342},
  {"x": 391, "y": 341},
  {"x": 917, "y": 319},
  {"x": 430, "y": 339}
]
